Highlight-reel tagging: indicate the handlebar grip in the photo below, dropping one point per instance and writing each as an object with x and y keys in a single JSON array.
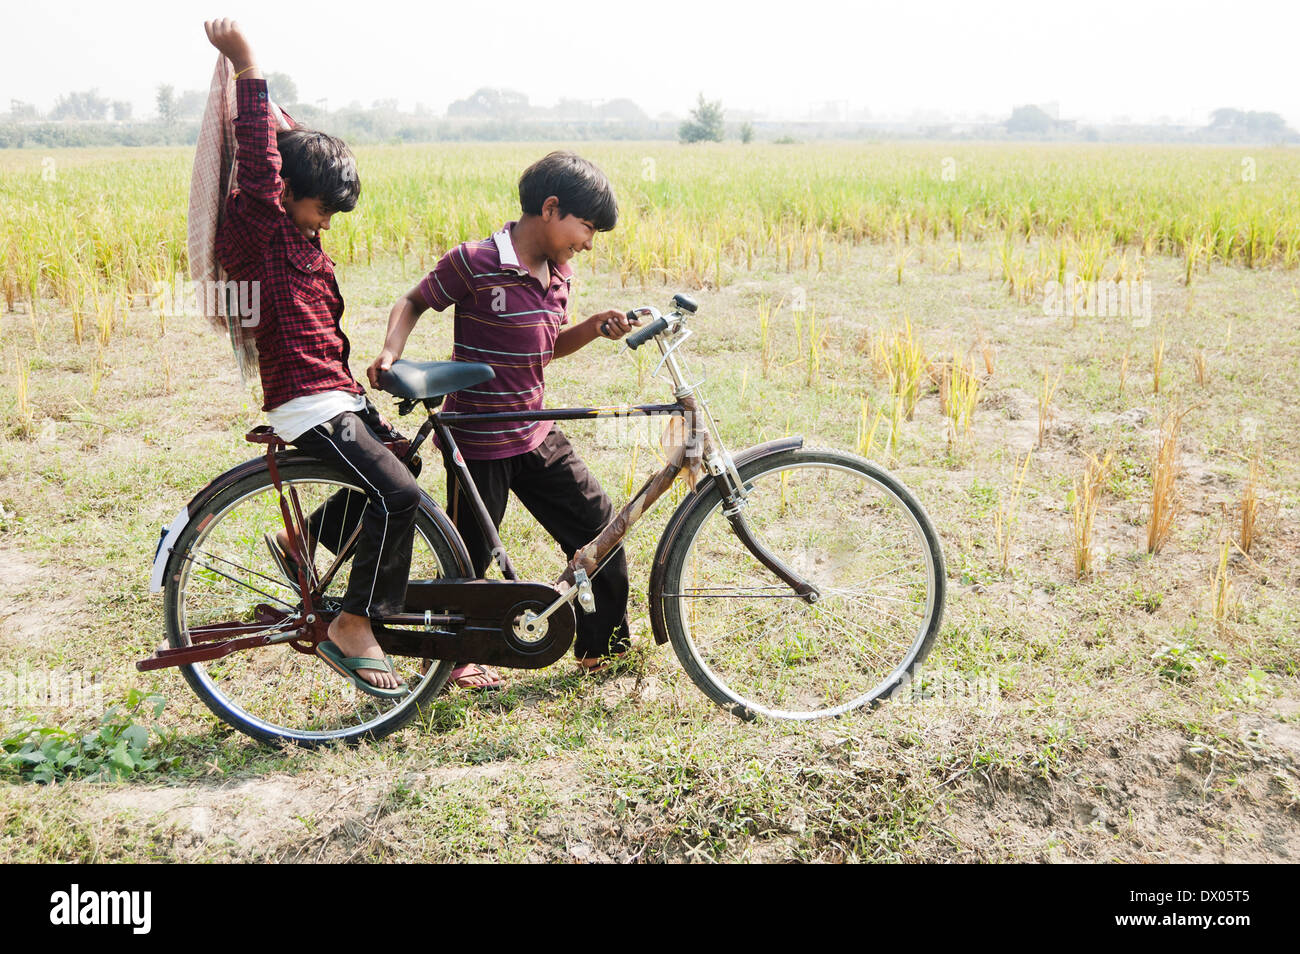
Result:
[{"x": 637, "y": 339}]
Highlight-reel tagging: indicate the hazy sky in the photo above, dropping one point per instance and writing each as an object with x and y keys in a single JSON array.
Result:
[{"x": 1098, "y": 60}]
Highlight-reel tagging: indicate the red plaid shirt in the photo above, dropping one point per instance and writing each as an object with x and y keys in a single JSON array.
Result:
[{"x": 301, "y": 347}]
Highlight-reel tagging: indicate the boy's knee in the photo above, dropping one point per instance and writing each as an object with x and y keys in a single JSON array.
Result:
[{"x": 404, "y": 495}]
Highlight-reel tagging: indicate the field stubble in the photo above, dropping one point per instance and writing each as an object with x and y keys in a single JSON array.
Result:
[{"x": 1117, "y": 713}]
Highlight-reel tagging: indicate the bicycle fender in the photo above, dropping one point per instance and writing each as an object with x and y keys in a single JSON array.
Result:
[
  {"x": 166, "y": 540},
  {"x": 169, "y": 534},
  {"x": 694, "y": 499}
]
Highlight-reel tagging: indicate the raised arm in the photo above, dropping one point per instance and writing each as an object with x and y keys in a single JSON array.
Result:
[{"x": 260, "y": 185}]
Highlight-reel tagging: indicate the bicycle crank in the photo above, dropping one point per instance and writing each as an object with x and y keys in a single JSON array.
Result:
[{"x": 502, "y": 623}]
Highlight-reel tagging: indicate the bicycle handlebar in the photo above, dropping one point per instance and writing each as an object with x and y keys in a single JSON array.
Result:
[
  {"x": 659, "y": 324},
  {"x": 638, "y": 338}
]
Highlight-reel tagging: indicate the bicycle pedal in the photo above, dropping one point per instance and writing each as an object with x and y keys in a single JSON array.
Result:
[{"x": 585, "y": 598}]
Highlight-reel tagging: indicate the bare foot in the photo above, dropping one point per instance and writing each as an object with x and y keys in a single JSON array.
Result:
[
  {"x": 591, "y": 665},
  {"x": 282, "y": 538},
  {"x": 354, "y": 637}
]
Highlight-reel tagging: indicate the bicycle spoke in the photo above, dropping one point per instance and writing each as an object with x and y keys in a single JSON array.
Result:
[
  {"x": 237, "y": 566},
  {"x": 688, "y": 594},
  {"x": 276, "y": 692},
  {"x": 858, "y": 591},
  {"x": 875, "y": 609},
  {"x": 839, "y": 525},
  {"x": 847, "y": 629},
  {"x": 300, "y": 528},
  {"x": 212, "y": 569}
]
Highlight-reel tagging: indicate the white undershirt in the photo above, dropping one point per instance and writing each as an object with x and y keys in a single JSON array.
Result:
[{"x": 294, "y": 418}]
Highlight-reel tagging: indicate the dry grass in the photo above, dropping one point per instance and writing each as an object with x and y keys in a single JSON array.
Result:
[
  {"x": 816, "y": 342},
  {"x": 22, "y": 395},
  {"x": 1157, "y": 360},
  {"x": 1007, "y": 516},
  {"x": 866, "y": 436},
  {"x": 1046, "y": 394},
  {"x": 1249, "y": 508},
  {"x": 1084, "y": 499},
  {"x": 765, "y": 312},
  {"x": 900, "y": 360},
  {"x": 1199, "y": 368},
  {"x": 1191, "y": 254},
  {"x": 959, "y": 394},
  {"x": 896, "y": 414},
  {"x": 1221, "y": 588},
  {"x": 631, "y": 476},
  {"x": 901, "y": 255},
  {"x": 1164, "y": 483}
]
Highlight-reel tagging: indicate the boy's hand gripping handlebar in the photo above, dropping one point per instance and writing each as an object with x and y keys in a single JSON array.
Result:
[{"x": 658, "y": 323}]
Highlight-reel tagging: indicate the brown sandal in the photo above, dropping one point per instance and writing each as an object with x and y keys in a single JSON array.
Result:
[{"x": 475, "y": 678}]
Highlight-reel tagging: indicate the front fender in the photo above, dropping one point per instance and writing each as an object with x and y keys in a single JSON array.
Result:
[{"x": 684, "y": 509}]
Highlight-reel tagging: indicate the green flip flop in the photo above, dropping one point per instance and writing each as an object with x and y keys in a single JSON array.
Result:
[{"x": 347, "y": 667}]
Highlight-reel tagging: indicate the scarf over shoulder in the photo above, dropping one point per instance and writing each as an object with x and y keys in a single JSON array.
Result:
[{"x": 210, "y": 185}]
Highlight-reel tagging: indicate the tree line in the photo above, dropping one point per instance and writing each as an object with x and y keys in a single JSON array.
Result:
[{"x": 87, "y": 118}]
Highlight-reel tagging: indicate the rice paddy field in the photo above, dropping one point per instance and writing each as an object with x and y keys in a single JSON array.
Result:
[{"x": 1082, "y": 360}]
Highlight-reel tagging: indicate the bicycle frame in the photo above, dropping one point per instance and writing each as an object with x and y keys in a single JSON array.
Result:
[
  {"x": 440, "y": 423},
  {"x": 700, "y": 450}
]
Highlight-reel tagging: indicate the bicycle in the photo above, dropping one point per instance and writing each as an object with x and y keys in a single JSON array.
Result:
[{"x": 792, "y": 582}]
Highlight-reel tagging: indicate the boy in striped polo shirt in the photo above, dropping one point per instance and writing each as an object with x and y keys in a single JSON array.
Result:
[{"x": 511, "y": 295}]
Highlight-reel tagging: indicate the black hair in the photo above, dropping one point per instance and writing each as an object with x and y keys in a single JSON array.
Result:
[
  {"x": 319, "y": 166},
  {"x": 580, "y": 186}
]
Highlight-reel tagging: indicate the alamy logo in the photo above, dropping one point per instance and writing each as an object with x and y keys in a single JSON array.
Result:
[
  {"x": 236, "y": 299},
  {"x": 1099, "y": 299},
  {"x": 39, "y": 687},
  {"x": 102, "y": 907}
]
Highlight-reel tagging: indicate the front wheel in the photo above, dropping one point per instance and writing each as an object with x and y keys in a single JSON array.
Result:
[
  {"x": 841, "y": 523},
  {"x": 221, "y": 574}
]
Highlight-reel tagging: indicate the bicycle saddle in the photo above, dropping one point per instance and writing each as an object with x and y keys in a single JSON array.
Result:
[{"x": 423, "y": 380}]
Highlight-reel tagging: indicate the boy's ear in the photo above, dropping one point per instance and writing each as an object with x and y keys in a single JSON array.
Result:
[
  {"x": 550, "y": 208},
  {"x": 285, "y": 191}
]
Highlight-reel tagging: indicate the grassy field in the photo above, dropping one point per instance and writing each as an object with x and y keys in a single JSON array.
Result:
[{"x": 1088, "y": 699}]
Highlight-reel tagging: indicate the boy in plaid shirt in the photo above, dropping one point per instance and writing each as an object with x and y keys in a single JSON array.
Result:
[{"x": 289, "y": 187}]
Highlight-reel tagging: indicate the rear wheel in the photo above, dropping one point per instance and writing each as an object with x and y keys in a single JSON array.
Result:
[
  {"x": 841, "y": 523},
  {"x": 221, "y": 573}
]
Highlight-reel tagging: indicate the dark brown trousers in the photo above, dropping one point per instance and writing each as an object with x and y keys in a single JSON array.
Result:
[
  {"x": 386, "y": 511},
  {"x": 556, "y": 487}
]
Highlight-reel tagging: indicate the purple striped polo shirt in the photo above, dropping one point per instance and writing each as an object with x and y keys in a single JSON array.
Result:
[{"x": 506, "y": 319}]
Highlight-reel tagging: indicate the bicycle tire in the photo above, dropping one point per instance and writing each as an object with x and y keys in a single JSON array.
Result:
[
  {"x": 220, "y": 570},
  {"x": 841, "y": 522}
]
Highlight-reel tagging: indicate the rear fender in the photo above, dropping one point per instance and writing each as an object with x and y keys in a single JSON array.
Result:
[{"x": 171, "y": 532}]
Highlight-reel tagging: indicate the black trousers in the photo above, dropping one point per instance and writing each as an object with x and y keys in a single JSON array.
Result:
[
  {"x": 386, "y": 512},
  {"x": 556, "y": 487}
]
